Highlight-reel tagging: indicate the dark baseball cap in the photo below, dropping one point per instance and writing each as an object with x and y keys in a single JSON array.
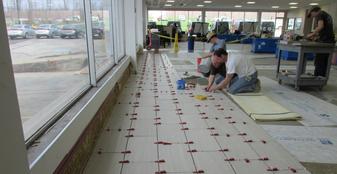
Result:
[{"x": 313, "y": 9}]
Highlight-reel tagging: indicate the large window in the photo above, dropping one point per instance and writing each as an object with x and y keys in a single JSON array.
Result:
[
  {"x": 272, "y": 22},
  {"x": 51, "y": 52},
  {"x": 103, "y": 39},
  {"x": 162, "y": 17}
]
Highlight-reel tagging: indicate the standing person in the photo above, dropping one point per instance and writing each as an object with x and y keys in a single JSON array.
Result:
[
  {"x": 241, "y": 73},
  {"x": 322, "y": 33},
  {"x": 217, "y": 43}
]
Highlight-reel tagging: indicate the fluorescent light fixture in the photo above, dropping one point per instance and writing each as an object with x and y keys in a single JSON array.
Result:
[
  {"x": 293, "y": 7},
  {"x": 168, "y": 5},
  {"x": 208, "y": 2},
  {"x": 238, "y": 6},
  {"x": 293, "y": 3},
  {"x": 200, "y": 5},
  {"x": 169, "y": 1},
  {"x": 275, "y": 6},
  {"x": 314, "y": 3},
  {"x": 251, "y": 2}
]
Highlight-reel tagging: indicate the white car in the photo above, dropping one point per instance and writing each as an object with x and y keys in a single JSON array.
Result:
[
  {"x": 22, "y": 31},
  {"x": 46, "y": 30}
]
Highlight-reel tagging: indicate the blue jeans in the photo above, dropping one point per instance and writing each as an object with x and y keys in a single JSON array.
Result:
[
  {"x": 218, "y": 79},
  {"x": 243, "y": 84}
]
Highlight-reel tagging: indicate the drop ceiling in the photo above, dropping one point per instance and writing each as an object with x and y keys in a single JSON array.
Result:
[{"x": 229, "y": 4}]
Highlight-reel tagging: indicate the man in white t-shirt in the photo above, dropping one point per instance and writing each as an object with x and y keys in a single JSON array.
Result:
[{"x": 241, "y": 73}]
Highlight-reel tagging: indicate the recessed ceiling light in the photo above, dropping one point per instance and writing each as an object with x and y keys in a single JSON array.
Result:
[
  {"x": 169, "y": 1},
  {"x": 200, "y": 5},
  {"x": 168, "y": 5},
  {"x": 250, "y": 2},
  {"x": 238, "y": 6},
  {"x": 293, "y": 3},
  {"x": 293, "y": 7},
  {"x": 207, "y": 2},
  {"x": 275, "y": 6},
  {"x": 314, "y": 3}
]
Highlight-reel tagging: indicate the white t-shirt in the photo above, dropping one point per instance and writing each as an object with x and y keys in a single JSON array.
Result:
[{"x": 240, "y": 65}]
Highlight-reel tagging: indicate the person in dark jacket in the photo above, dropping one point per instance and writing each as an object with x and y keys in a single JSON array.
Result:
[{"x": 322, "y": 33}]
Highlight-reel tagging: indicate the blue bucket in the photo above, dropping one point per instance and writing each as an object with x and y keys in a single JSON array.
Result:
[{"x": 181, "y": 84}]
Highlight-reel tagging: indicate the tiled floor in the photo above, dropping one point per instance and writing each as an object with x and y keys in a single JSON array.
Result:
[{"x": 157, "y": 129}]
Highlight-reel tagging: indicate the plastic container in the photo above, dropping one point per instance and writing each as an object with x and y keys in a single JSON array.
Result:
[
  {"x": 199, "y": 60},
  {"x": 181, "y": 84},
  {"x": 190, "y": 44}
]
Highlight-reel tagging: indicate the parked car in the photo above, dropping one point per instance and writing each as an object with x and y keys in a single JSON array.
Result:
[
  {"x": 72, "y": 31},
  {"x": 20, "y": 31},
  {"x": 46, "y": 30},
  {"x": 98, "y": 30}
]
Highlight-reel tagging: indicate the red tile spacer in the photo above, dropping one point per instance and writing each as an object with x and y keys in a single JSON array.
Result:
[
  {"x": 272, "y": 169},
  {"x": 215, "y": 134},
  {"x": 160, "y": 161},
  {"x": 157, "y": 110},
  {"x": 108, "y": 129},
  {"x": 156, "y": 106},
  {"x": 157, "y": 118},
  {"x": 124, "y": 161},
  {"x": 223, "y": 150},
  {"x": 199, "y": 171},
  {"x": 221, "y": 109},
  {"x": 129, "y": 136},
  {"x": 126, "y": 152},
  {"x": 180, "y": 113},
  {"x": 230, "y": 159},
  {"x": 178, "y": 109},
  {"x": 131, "y": 129},
  {"x": 232, "y": 122},
  {"x": 248, "y": 141},
  {"x": 134, "y": 114},
  {"x": 211, "y": 128},
  {"x": 189, "y": 142},
  {"x": 217, "y": 105},
  {"x": 247, "y": 160},
  {"x": 244, "y": 122},
  {"x": 228, "y": 117},
  {"x": 185, "y": 128},
  {"x": 99, "y": 152},
  {"x": 182, "y": 123},
  {"x": 242, "y": 134},
  {"x": 197, "y": 105},
  {"x": 205, "y": 118},
  {"x": 119, "y": 129},
  {"x": 133, "y": 118},
  {"x": 292, "y": 170},
  {"x": 264, "y": 142},
  {"x": 163, "y": 143},
  {"x": 192, "y": 151},
  {"x": 264, "y": 159},
  {"x": 158, "y": 123},
  {"x": 202, "y": 113},
  {"x": 227, "y": 135}
]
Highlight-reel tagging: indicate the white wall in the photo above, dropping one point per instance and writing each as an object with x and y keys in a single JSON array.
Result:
[
  {"x": 332, "y": 10},
  {"x": 13, "y": 154},
  {"x": 140, "y": 22},
  {"x": 130, "y": 30}
]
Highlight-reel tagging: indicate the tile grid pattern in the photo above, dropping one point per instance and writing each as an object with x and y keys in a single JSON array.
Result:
[{"x": 158, "y": 129}]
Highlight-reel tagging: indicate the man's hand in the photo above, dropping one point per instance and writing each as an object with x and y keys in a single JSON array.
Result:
[
  {"x": 311, "y": 35},
  {"x": 214, "y": 88}
]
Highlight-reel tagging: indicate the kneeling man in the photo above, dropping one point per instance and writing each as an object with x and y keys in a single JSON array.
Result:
[{"x": 241, "y": 73}]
